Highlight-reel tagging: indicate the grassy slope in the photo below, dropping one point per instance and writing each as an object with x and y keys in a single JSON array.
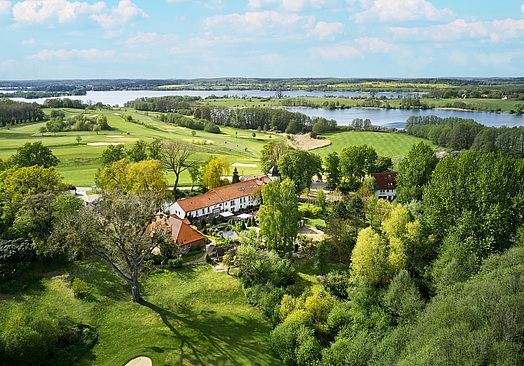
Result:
[{"x": 194, "y": 316}]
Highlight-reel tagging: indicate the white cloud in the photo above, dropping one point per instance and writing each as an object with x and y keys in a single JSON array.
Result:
[
  {"x": 496, "y": 31},
  {"x": 403, "y": 10},
  {"x": 337, "y": 52},
  {"x": 259, "y": 21},
  {"x": 39, "y": 11},
  {"x": 290, "y": 5},
  {"x": 28, "y": 42},
  {"x": 121, "y": 14},
  {"x": 91, "y": 55},
  {"x": 4, "y": 7},
  {"x": 522, "y": 8},
  {"x": 141, "y": 39},
  {"x": 323, "y": 30},
  {"x": 213, "y": 41},
  {"x": 375, "y": 45}
]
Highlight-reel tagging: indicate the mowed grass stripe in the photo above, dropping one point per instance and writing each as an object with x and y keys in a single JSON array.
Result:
[{"x": 394, "y": 145}]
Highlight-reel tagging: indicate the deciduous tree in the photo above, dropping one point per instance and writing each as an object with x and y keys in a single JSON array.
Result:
[
  {"x": 215, "y": 168},
  {"x": 279, "y": 215},
  {"x": 118, "y": 230},
  {"x": 414, "y": 172},
  {"x": 34, "y": 154},
  {"x": 300, "y": 166},
  {"x": 175, "y": 158}
]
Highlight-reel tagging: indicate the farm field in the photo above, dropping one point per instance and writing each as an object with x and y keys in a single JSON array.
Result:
[
  {"x": 192, "y": 316},
  {"x": 79, "y": 162}
]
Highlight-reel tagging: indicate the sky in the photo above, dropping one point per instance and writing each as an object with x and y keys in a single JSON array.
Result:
[{"x": 180, "y": 39}]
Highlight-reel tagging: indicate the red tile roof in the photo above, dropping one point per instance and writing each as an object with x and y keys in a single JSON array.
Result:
[
  {"x": 385, "y": 180},
  {"x": 246, "y": 187},
  {"x": 180, "y": 231}
]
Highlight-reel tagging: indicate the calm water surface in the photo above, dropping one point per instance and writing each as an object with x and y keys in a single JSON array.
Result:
[{"x": 378, "y": 117}]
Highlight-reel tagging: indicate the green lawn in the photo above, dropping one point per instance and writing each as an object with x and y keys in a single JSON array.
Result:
[
  {"x": 394, "y": 145},
  {"x": 79, "y": 162},
  {"x": 193, "y": 316}
]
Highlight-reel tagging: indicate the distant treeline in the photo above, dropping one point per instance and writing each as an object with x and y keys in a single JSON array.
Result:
[
  {"x": 507, "y": 86},
  {"x": 14, "y": 113},
  {"x": 73, "y": 103},
  {"x": 252, "y": 118},
  {"x": 464, "y": 134},
  {"x": 163, "y": 104}
]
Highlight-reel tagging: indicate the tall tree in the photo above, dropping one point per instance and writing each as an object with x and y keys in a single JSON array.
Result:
[
  {"x": 34, "y": 154},
  {"x": 332, "y": 169},
  {"x": 369, "y": 262},
  {"x": 300, "y": 166},
  {"x": 16, "y": 184},
  {"x": 215, "y": 168},
  {"x": 112, "y": 154},
  {"x": 279, "y": 215},
  {"x": 118, "y": 230},
  {"x": 146, "y": 175},
  {"x": 175, "y": 158},
  {"x": 270, "y": 153},
  {"x": 414, "y": 172},
  {"x": 137, "y": 152},
  {"x": 357, "y": 161}
]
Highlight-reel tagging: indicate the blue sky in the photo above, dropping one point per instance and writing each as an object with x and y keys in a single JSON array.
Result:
[{"x": 63, "y": 39}]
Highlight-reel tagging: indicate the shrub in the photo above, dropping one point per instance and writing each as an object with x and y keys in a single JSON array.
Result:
[
  {"x": 211, "y": 128},
  {"x": 24, "y": 346},
  {"x": 80, "y": 288},
  {"x": 175, "y": 263},
  {"x": 336, "y": 283}
]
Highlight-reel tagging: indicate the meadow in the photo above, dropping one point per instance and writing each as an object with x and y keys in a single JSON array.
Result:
[
  {"x": 191, "y": 316},
  {"x": 79, "y": 162}
]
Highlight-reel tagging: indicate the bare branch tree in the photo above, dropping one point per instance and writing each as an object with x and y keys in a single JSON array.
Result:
[{"x": 175, "y": 157}]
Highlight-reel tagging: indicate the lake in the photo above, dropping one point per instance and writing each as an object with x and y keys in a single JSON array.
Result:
[
  {"x": 121, "y": 96},
  {"x": 397, "y": 117},
  {"x": 379, "y": 117}
]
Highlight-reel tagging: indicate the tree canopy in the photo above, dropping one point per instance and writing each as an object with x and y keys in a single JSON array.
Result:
[
  {"x": 299, "y": 166},
  {"x": 34, "y": 154},
  {"x": 279, "y": 215}
]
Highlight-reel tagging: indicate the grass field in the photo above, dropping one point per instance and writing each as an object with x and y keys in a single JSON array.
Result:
[
  {"x": 388, "y": 144},
  {"x": 193, "y": 316}
]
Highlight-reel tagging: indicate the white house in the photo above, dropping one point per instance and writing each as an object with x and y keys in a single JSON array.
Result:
[
  {"x": 386, "y": 185},
  {"x": 227, "y": 199}
]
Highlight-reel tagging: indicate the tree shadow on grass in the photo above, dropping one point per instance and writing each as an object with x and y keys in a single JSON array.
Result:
[
  {"x": 211, "y": 339},
  {"x": 96, "y": 273}
]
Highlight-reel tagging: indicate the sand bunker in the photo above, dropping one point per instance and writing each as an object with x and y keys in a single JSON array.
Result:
[
  {"x": 244, "y": 165},
  {"x": 104, "y": 143},
  {"x": 116, "y": 136},
  {"x": 140, "y": 361}
]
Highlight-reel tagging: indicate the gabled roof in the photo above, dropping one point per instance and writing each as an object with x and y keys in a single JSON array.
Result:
[
  {"x": 203, "y": 200},
  {"x": 246, "y": 187},
  {"x": 180, "y": 231},
  {"x": 385, "y": 180}
]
